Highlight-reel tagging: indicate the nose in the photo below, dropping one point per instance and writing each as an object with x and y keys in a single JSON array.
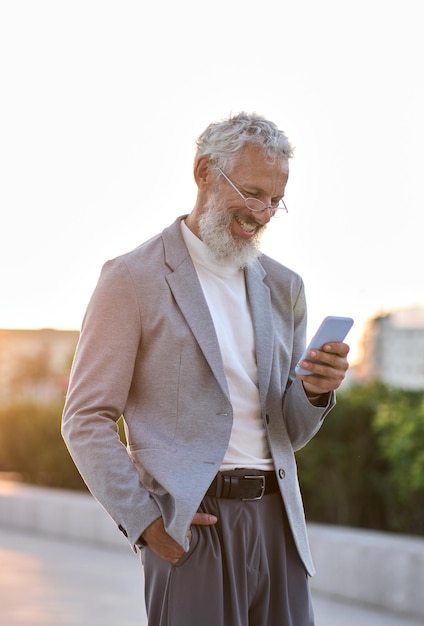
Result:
[{"x": 264, "y": 216}]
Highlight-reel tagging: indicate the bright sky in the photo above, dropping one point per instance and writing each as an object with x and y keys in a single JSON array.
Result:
[{"x": 102, "y": 101}]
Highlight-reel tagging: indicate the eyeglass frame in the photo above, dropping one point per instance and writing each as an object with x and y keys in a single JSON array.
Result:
[{"x": 272, "y": 209}]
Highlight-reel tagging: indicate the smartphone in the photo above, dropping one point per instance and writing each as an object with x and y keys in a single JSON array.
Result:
[{"x": 332, "y": 329}]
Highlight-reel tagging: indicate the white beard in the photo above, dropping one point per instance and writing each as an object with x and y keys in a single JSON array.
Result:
[{"x": 214, "y": 229}]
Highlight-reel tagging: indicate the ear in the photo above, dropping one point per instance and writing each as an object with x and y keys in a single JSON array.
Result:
[{"x": 203, "y": 171}]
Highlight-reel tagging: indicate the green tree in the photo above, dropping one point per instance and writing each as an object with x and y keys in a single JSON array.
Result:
[
  {"x": 340, "y": 469},
  {"x": 399, "y": 424},
  {"x": 365, "y": 468}
]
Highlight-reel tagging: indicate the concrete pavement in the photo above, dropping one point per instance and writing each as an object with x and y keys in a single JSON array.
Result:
[{"x": 53, "y": 582}]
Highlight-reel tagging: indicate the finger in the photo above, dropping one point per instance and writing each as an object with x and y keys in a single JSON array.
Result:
[
  {"x": 341, "y": 349},
  {"x": 204, "y": 519},
  {"x": 325, "y": 372},
  {"x": 323, "y": 359},
  {"x": 323, "y": 379}
]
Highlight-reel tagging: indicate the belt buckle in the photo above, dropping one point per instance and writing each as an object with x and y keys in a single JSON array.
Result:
[{"x": 260, "y": 496}]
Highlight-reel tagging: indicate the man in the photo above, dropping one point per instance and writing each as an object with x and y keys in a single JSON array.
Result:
[{"x": 193, "y": 337}]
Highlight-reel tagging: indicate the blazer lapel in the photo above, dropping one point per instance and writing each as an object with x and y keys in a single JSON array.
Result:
[
  {"x": 260, "y": 305},
  {"x": 188, "y": 294},
  {"x": 186, "y": 288}
]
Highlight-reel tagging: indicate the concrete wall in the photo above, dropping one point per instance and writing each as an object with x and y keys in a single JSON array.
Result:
[
  {"x": 371, "y": 568},
  {"x": 384, "y": 570},
  {"x": 58, "y": 513}
]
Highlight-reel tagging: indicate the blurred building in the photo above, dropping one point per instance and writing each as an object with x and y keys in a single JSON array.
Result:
[
  {"x": 35, "y": 364},
  {"x": 393, "y": 350}
]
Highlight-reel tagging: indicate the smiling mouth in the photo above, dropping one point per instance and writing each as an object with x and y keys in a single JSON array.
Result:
[{"x": 249, "y": 226}]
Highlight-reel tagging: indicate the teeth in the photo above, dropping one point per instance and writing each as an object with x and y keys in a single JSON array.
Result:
[{"x": 247, "y": 226}]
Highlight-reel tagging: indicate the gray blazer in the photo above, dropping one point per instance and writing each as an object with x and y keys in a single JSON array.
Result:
[{"x": 148, "y": 351}]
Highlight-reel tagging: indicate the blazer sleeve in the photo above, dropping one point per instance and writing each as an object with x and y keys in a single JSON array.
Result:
[{"x": 100, "y": 379}]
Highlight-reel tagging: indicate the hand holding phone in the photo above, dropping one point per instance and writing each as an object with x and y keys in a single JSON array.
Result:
[{"x": 332, "y": 329}]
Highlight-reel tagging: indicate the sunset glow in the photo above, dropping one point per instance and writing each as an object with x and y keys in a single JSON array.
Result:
[{"x": 102, "y": 105}]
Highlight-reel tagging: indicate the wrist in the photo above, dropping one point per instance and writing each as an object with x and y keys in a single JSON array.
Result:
[{"x": 318, "y": 399}]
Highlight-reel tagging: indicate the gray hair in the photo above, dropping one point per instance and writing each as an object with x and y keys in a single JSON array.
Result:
[{"x": 222, "y": 140}]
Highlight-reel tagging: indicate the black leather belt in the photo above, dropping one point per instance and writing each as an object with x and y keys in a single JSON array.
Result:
[{"x": 245, "y": 486}]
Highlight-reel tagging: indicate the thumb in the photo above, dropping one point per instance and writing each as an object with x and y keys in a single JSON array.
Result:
[{"x": 204, "y": 519}]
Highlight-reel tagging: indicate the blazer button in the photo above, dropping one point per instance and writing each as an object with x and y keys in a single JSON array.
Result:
[{"x": 281, "y": 473}]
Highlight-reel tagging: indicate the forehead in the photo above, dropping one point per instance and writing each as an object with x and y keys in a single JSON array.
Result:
[{"x": 251, "y": 164}]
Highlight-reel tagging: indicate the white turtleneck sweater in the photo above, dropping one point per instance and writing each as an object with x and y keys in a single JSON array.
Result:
[{"x": 225, "y": 291}]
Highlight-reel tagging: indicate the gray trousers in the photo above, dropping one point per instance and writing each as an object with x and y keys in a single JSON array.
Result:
[{"x": 243, "y": 571}]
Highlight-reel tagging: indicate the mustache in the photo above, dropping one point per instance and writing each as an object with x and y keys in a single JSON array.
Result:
[{"x": 215, "y": 231}]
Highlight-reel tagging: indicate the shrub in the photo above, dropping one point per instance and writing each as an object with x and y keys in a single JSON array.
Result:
[
  {"x": 31, "y": 445},
  {"x": 365, "y": 467}
]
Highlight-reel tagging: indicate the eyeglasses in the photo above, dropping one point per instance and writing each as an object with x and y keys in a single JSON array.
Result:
[{"x": 253, "y": 204}]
